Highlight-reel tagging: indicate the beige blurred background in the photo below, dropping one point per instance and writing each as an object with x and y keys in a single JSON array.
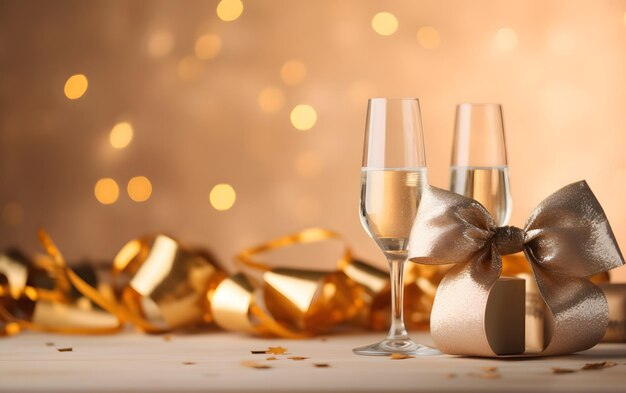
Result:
[{"x": 208, "y": 92}]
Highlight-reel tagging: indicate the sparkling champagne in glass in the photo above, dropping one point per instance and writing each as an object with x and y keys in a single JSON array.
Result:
[
  {"x": 479, "y": 166},
  {"x": 393, "y": 176}
]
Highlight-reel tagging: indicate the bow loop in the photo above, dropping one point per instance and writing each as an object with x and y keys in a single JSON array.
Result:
[
  {"x": 451, "y": 228},
  {"x": 568, "y": 234}
]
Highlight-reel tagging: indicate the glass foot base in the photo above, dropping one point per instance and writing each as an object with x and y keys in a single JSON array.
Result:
[{"x": 404, "y": 346}]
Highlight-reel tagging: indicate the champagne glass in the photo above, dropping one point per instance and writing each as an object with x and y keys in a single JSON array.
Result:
[
  {"x": 479, "y": 168},
  {"x": 393, "y": 176}
]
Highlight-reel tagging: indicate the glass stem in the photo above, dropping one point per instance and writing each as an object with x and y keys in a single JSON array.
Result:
[{"x": 396, "y": 274}]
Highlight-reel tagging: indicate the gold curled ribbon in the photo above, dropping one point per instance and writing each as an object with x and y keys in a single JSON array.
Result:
[
  {"x": 165, "y": 288},
  {"x": 157, "y": 284},
  {"x": 53, "y": 309},
  {"x": 296, "y": 302},
  {"x": 163, "y": 284},
  {"x": 567, "y": 239}
]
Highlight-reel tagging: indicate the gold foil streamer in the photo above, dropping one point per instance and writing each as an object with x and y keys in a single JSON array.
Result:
[
  {"x": 301, "y": 302},
  {"x": 166, "y": 283},
  {"x": 157, "y": 285},
  {"x": 567, "y": 239}
]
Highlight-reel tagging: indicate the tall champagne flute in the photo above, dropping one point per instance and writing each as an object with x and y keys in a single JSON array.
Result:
[
  {"x": 393, "y": 176},
  {"x": 479, "y": 167}
]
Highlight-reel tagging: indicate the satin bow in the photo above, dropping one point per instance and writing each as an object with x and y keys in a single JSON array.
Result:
[{"x": 566, "y": 239}]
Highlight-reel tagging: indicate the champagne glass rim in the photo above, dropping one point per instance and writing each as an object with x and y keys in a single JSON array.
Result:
[
  {"x": 394, "y": 99},
  {"x": 479, "y": 104},
  {"x": 420, "y": 168}
]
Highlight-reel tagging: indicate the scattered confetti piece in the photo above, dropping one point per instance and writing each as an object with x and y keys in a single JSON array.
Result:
[
  {"x": 186, "y": 363},
  {"x": 49, "y": 344},
  {"x": 486, "y": 375},
  {"x": 559, "y": 370},
  {"x": 297, "y": 357},
  {"x": 276, "y": 350},
  {"x": 324, "y": 339},
  {"x": 598, "y": 366},
  {"x": 451, "y": 375},
  {"x": 258, "y": 352},
  {"x": 271, "y": 358},
  {"x": 321, "y": 365},
  {"x": 399, "y": 356},
  {"x": 254, "y": 364},
  {"x": 167, "y": 337},
  {"x": 490, "y": 369},
  {"x": 68, "y": 349}
]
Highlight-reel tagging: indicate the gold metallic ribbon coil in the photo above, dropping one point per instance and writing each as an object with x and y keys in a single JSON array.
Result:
[
  {"x": 292, "y": 302},
  {"x": 158, "y": 285},
  {"x": 566, "y": 239}
]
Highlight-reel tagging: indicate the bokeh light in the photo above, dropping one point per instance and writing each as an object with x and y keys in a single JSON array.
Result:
[
  {"x": 75, "y": 86},
  {"x": 271, "y": 99},
  {"x": 222, "y": 196},
  {"x": 308, "y": 164},
  {"x": 428, "y": 37},
  {"x": 12, "y": 214},
  {"x": 121, "y": 135},
  {"x": 506, "y": 39},
  {"x": 160, "y": 44},
  {"x": 385, "y": 23},
  {"x": 293, "y": 72},
  {"x": 208, "y": 46},
  {"x": 303, "y": 117},
  {"x": 106, "y": 191},
  {"x": 229, "y": 10},
  {"x": 139, "y": 188}
]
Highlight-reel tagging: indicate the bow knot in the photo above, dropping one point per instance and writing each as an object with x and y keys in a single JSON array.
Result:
[{"x": 509, "y": 240}]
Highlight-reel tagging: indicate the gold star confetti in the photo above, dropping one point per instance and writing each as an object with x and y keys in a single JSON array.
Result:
[{"x": 276, "y": 350}]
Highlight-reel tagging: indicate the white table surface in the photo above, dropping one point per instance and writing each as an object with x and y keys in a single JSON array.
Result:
[{"x": 135, "y": 362}]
